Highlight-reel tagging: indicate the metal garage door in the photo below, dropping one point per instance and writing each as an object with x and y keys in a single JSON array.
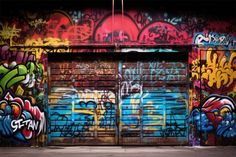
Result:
[
  {"x": 115, "y": 99},
  {"x": 82, "y": 100},
  {"x": 153, "y": 101}
]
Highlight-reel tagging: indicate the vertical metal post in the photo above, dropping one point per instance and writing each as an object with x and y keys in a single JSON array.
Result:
[
  {"x": 119, "y": 102},
  {"x": 113, "y": 20},
  {"x": 200, "y": 134},
  {"x": 140, "y": 67},
  {"x": 122, "y": 17},
  {"x": 188, "y": 131},
  {"x": 47, "y": 88}
]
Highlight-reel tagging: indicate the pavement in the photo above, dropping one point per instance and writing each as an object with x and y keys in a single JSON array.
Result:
[{"x": 119, "y": 151}]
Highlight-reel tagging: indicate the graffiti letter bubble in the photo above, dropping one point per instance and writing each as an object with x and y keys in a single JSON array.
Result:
[{"x": 29, "y": 124}]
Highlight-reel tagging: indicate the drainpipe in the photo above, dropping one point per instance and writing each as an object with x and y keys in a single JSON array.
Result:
[
  {"x": 122, "y": 17},
  {"x": 113, "y": 20}
]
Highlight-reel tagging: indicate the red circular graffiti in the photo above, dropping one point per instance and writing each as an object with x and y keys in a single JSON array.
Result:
[
  {"x": 216, "y": 106},
  {"x": 118, "y": 27},
  {"x": 57, "y": 25},
  {"x": 163, "y": 33}
]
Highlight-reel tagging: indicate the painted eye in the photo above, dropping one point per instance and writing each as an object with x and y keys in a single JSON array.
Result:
[
  {"x": 223, "y": 111},
  {"x": 216, "y": 113},
  {"x": 8, "y": 109},
  {"x": 16, "y": 110},
  {"x": 3, "y": 105}
]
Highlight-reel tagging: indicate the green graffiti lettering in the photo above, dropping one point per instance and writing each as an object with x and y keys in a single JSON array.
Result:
[
  {"x": 31, "y": 67},
  {"x": 22, "y": 70},
  {"x": 3, "y": 70},
  {"x": 24, "y": 74},
  {"x": 8, "y": 77},
  {"x": 15, "y": 80}
]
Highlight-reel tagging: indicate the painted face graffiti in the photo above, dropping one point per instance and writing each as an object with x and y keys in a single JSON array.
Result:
[
  {"x": 217, "y": 114},
  {"x": 20, "y": 120}
]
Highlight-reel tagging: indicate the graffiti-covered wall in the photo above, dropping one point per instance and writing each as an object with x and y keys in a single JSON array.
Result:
[
  {"x": 213, "y": 107},
  {"x": 22, "y": 92},
  {"x": 183, "y": 94}
]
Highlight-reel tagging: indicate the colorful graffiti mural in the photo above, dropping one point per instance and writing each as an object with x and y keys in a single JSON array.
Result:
[
  {"x": 218, "y": 70},
  {"x": 86, "y": 110},
  {"x": 26, "y": 74},
  {"x": 155, "y": 117},
  {"x": 216, "y": 117},
  {"x": 213, "y": 97},
  {"x": 84, "y": 114},
  {"x": 152, "y": 104},
  {"x": 162, "y": 33},
  {"x": 7, "y": 33},
  {"x": 19, "y": 119},
  {"x": 103, "y": 99},
  {"x": 100, "y": 26},
  {"x": 22, "y": 99},
  {"x": 214, "y": 39}
]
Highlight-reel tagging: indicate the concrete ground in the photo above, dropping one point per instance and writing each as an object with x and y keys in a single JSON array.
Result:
[{"x": 118, "y": 151}]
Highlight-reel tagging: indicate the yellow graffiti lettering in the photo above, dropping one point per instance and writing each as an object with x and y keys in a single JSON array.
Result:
[
  {"x": 218, "y": 71},
  {"x": 88, "y": 112},
  {"x": 7, "y": 33},
  {"x": 35, "y": 23},
  {"x": 195, "y": 68},
  {"x": 52, "y": 42},
  {"x": 134, "y": 102}
]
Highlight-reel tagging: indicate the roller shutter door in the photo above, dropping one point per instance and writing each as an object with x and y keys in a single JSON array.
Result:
[
  {"x": 153, "y": 102},
  {"x": 82, "y": 101},
  {"x": 118, "y": 100}
]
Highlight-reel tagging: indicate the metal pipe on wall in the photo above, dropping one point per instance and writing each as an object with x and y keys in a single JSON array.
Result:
[
  {"x": 113, "y": 20},
  {"x": 122, "y": 17}
]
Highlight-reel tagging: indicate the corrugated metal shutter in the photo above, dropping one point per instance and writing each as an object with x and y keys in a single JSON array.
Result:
[
  {"x": 124, "y": 99},
  {"x": 82, "y": 102},
  {"x": 153, "y": 101}
]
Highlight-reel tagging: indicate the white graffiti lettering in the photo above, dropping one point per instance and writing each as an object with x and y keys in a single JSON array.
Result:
[
  {"x": 128, "y": 87},
  {"x": 214, "y": 39},
  {"x": 29, "y": 124}
]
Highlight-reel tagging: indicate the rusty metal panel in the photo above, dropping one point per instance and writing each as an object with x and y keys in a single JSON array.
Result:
[
  {"x": 118, "y": 101},
  {"x": 153, "y": 102},
  {"x": 82, "y": 102}
]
